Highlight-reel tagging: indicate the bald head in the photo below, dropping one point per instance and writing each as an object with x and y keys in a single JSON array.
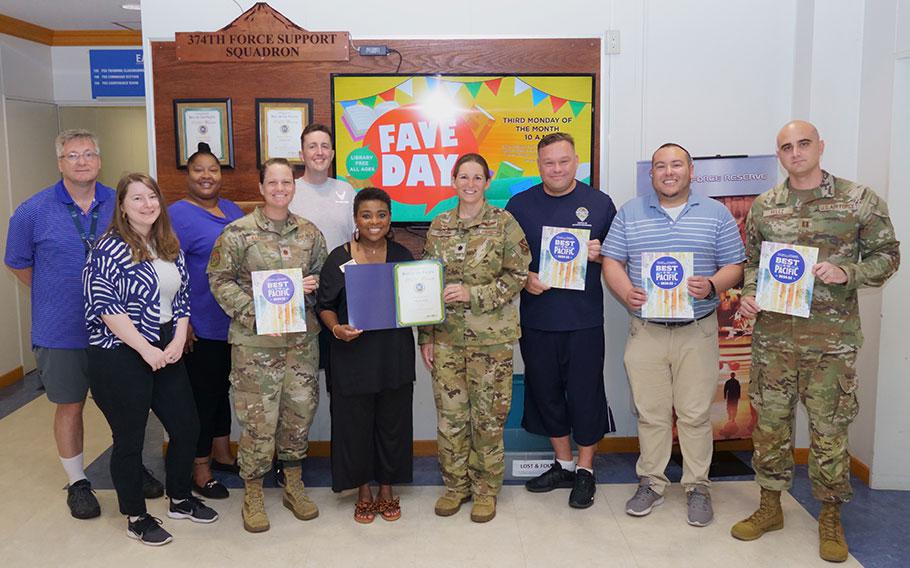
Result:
[{"x": 799, "y": 150}]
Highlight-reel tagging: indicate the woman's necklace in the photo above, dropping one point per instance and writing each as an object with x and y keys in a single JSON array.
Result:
[{"x": 371, "y": 253}]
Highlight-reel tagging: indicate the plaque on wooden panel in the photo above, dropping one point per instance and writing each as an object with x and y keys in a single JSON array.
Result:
[
  {"x": 203, "y": 120},
  {"x": 279, "y": 124}
]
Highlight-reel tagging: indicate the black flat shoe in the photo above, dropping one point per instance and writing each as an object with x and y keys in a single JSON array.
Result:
[
  {"x": 226, "y": 467},
  {"x": 212, "y": 489}
]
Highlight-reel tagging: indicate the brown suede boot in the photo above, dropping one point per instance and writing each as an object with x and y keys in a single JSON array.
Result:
[
  {"x": 449, "y": 503},
  {"x": 254, "y": 518},
  {"x": 484, "y": 508},
  {"x": 832, "y": 543},
  {"x": 768, "y": 517},
  {"x": 295, "y": 497}
]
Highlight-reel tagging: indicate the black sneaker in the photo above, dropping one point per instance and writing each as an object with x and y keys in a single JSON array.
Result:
[
  {"x": 81, "y": 500},
  {"x": 582, "y": 495},
  {"x": 151, "y": 487},
  {"x": 192, "y": 508},
  {"x": 212, "y": 489},
  {"x": 554, "y": 478},
  {"x": 279, "y": 474},
  {"x": 147, "y": 530}
]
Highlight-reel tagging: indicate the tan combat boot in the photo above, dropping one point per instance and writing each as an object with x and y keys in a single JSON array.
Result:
[
  {"x": 484, "y": 508},
  {"x": 295, "y": 497},
  {"x": 768, "y": 517},
  {"x": 832, "y": 543},
  {"x": 254, "y": 518},
  {"x": 449, "y": 503}
]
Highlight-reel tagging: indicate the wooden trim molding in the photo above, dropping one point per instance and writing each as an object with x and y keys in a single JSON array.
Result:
[
  {"x": 25, "y": 30},
  {"x": 39, "y": 34},
  {"x": 11, "y": 377}
]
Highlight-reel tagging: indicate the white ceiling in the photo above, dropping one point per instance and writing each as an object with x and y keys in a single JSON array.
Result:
[{"x": 74, "y": 14}]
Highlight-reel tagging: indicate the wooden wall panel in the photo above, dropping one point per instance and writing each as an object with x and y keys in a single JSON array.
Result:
[{"x": 245, "y": 82}]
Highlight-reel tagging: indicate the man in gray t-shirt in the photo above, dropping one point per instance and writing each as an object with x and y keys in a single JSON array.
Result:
[{"x": 325, "y": 201}]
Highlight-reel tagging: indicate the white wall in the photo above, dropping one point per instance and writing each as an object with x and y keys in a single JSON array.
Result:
[{"x": 27, "y": 108}]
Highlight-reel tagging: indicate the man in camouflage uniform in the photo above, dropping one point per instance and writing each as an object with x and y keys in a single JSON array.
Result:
[
  {"x": 273, "y": 377},
  {"x": 470, "y": 354},
  {"x": 812, "y": 358}
]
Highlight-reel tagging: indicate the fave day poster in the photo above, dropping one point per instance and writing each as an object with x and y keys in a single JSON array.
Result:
[{"x": 404, "y": 133}]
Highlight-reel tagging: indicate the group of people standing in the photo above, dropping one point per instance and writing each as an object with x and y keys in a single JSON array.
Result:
[{"x": 168, "y": 301}]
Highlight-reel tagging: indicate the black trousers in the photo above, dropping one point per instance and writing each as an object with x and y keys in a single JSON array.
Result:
[
  {"x": 209, "y": 368},
  {"x": 372, "y": 438},
  {"x": 125, "y": 388}
]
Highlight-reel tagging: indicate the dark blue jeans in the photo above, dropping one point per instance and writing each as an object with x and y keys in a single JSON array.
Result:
[{"x": 125, "y": 388}]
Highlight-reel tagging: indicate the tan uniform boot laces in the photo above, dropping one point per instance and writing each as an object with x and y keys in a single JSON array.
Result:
[
  {"x": 295, "y": 497},
  {"x": 768, "y": 517},
  {"x": 832, "y": 542},
  {"x": 253, "y": 510}
]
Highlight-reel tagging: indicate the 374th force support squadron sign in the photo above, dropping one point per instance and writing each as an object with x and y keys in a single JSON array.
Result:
[{"x": 262, "y": 34}]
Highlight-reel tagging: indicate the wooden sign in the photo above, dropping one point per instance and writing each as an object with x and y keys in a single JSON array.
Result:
[{"x": 262, "y": 34}]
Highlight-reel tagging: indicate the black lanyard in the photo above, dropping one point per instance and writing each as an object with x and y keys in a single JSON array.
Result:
[{"x": 88, "y": 238}]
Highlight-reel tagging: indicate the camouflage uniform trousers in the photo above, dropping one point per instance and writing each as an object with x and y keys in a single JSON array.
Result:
[
  {"x": 276, "y": 393},
  {"x": 473, "y": 391},
  {"x": 826, "y": 384}
]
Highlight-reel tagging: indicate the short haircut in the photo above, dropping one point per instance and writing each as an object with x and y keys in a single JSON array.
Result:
[
  {"x": 74, "y": 134},
  {"x": 554, "y": 138},
  {"x": 472, "y": 157},
  {"x": 371, "y": 194},
  {"x": 316, "y": 127},
  {"x": 273, "y": 162},
  {"x": 671, "y": 145}
]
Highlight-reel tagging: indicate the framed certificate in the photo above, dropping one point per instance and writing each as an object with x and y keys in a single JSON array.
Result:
[
  {"x": 418, "y": 293},
  {"x": 203, "y": 120},
  {"x": 279, "y": 123}
]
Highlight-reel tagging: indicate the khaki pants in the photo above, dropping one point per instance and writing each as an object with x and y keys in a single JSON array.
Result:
[{"x": 673, "y": 367}]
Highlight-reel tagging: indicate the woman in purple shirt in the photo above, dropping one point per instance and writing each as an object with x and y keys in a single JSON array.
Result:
[{"x": 198, "y": 220}]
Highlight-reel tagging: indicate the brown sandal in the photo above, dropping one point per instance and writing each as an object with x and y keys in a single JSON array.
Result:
[
  {"x": 390, "y": 509},
  {"x": 364, "y": 512}
]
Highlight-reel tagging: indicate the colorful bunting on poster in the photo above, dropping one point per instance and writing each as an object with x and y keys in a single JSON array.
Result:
[
  {"x": 520, "y": 86},
  {"x": 388, "y": 95},
  {"x": 576, "y": 107},
  {"x": 407, "y": 87},
  {"x": 346, "y": 104},
  {"x": 453, "y": 87},
  {"x": 473, "y": 88},
  {"x": 538, "y": 96},
  {"x": 493, "y": 85},
  {"x": 432, "y": 83},
  {"x": 368, "y": 101},
  {"x": 557, "y": 103}
]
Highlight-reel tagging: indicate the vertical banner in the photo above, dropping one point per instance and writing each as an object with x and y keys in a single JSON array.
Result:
[{"x": 403, "y": 133}]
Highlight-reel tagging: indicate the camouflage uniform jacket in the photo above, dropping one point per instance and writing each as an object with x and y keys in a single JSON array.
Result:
[
  {"x": 254, "y": 243},
  {"x": 489, "y": 255},
  {"x": 849, "y": 224}
]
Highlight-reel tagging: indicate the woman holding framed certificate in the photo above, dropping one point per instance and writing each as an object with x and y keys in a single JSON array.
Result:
[
  {"x": 273, "y": 372},
  {"x": 372, "y": 372},
  {"x": 486, "y": 261},
  {"x": 198, "y": 219}
]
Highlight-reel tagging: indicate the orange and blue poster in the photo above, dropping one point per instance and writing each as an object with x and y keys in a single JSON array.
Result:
[{"x": 403, "y": 133}]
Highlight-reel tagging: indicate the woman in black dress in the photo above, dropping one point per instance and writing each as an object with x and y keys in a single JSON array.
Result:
[{"x": 372, "y": 372}]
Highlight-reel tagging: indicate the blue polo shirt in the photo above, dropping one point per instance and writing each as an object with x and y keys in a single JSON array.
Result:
[
  {"x": 197, "y": 230},
  {"x": 583, "y": 208},
  {"x": 43, "y": 236},
  {"x": 705, "y": 227}
]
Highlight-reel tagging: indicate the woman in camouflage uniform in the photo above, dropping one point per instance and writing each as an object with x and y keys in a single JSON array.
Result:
[{"x": 486, "y": 261}]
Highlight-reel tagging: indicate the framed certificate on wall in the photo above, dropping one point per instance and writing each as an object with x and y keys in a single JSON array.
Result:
[
  {"x": 279, "y": 124},
  {"x": 204, "y": 120}
]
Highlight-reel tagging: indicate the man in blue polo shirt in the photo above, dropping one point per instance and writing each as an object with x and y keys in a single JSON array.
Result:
[
  {"x": 562, "y": 331},
  {"x": 672, "y": 363},
  {"x": 49, "y": 236}
]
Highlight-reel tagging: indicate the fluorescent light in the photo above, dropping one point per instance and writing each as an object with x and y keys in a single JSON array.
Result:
[{"x": 131, "y": 7}]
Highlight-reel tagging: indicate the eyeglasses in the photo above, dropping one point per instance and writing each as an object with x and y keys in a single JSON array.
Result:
[{"x": 73, "y": 157}]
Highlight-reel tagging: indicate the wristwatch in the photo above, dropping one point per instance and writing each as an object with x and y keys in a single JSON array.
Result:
[{"x": 713, "y": 293}]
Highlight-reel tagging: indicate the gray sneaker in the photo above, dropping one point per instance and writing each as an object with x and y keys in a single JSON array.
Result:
[
  {"x": 644, "y": 499},
  {"x": 700, "y": 512}
]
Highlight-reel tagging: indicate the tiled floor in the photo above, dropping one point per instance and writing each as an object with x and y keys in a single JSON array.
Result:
[{"x": 529, "y": 530}]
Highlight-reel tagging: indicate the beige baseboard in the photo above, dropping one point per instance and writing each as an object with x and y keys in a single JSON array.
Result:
[
  {"x": 11, "y": 377},
  {"x": 611, "y": 444}
]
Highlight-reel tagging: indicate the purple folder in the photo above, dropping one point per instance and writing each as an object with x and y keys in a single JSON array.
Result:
[{"x": 370, "y": 290}]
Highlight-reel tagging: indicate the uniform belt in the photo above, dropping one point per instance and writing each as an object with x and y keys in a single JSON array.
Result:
[{"x": 678, "y": 323}]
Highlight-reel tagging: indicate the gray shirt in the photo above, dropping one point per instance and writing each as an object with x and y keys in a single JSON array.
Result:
[{"x": 329, "y": 206}]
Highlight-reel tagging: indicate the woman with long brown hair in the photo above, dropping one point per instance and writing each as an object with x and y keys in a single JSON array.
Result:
[{"x": 137, "y": 309}]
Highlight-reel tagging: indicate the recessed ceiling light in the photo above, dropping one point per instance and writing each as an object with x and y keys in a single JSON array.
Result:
[{"x": 131, "y": 7}]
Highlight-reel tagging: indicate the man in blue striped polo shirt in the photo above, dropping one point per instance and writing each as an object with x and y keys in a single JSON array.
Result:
[
  {"x": 672, "y": 363},
  {"x": 49, "y": 236}
]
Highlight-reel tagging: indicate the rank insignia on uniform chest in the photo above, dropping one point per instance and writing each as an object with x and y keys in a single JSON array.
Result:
[
  {"x": 460, "y": 248},
  {"x": 805, "y": 223},
  {"x": 285, "y": 252}
]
